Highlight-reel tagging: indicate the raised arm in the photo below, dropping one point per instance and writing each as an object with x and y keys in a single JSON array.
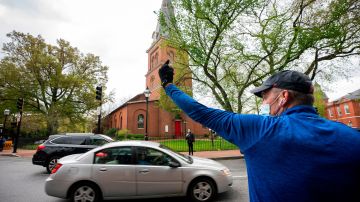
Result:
[{"x": 242, "y": 130}]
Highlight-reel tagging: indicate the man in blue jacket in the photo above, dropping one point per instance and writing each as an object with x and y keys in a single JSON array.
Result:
[{"x": 291, "y": 153}]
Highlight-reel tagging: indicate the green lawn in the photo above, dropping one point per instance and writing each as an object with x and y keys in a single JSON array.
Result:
[{"x": 199, "y": 145}]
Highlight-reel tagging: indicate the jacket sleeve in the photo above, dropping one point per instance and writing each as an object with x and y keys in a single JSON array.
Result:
[{"x": 242, "y": 130}]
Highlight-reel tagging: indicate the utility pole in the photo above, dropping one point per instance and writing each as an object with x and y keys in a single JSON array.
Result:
[{"x": 98, "y": 97}]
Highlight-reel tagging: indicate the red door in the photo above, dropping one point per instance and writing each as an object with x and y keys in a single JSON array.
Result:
[{"x": 177, "y": 128}]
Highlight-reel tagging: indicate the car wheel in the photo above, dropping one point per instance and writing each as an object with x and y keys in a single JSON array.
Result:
[
  {"x": 202, "y": 189},
  {"x": 85, "y": 192},
  {"x": 51, "y": 163}
]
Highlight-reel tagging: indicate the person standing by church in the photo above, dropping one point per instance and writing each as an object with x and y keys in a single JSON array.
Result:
[{"x": 190, "y": 138}]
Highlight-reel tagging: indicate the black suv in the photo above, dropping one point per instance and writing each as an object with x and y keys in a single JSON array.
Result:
[{"x": 61, "y": 145}]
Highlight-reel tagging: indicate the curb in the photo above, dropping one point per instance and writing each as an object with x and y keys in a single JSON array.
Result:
[
  {"x": 10, "y": 155},
  {"x": 227, "y": 157}
]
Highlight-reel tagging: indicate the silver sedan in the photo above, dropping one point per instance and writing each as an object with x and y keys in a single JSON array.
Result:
[{"x": 136, "y": 169}]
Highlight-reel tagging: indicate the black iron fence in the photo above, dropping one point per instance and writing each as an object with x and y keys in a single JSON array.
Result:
[
  {"x": 200, "y": 144},
  {"x": 178, "y": 144}
]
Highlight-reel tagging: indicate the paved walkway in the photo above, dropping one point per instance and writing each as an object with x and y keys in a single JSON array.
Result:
[{"x": 226, "y": 154}]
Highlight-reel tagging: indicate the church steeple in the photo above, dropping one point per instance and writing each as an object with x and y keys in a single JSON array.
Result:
[
  {"x": 168, "y": 11},
  {"x": 160, "y": 51}
]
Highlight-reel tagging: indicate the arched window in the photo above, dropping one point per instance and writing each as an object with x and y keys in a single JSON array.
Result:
[
  {"x": 152, "y": 62},
  {"x": 140, "y": 121},
  {"x": 171, "y": 56},
  {"x": 156, "y": 59},
  {"x": 120, "y": 122}
]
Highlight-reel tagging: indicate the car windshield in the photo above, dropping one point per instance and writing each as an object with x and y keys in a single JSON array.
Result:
[
  {"x": 185, "y": 158},
  {"x": 107, "y": 138}
]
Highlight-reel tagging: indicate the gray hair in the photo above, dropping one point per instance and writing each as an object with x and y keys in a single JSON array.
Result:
[{"x": 301, "y": 98}]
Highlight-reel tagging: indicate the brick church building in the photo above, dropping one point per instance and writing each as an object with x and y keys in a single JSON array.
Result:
[{"x": 160, "y": 123}]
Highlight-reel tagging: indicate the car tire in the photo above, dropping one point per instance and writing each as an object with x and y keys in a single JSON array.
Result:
[
  {"x": 51, "y": 163},
  {"x": 85, "y": 192},
  {"x": 201, "y": 190}
]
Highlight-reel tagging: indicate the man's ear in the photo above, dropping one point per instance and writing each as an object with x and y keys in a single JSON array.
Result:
[{"x": 286, "y": 98}]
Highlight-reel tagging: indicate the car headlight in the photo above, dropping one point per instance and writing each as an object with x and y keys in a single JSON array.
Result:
[{"x": 226, "y": 172}]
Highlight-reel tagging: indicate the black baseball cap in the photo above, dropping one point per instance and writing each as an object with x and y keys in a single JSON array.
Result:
[{"x": 287, "y": 79}]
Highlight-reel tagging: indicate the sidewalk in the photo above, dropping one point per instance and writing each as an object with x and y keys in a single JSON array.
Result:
[
  {"x": 218, "y": 155},
  {"x": 19, "y": 153}
]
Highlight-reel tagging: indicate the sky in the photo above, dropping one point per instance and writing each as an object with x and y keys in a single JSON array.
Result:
[{"x": 118, "y": 31}]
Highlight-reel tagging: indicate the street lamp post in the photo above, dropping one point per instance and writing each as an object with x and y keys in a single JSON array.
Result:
[
  {"x": 147, "y": 95},
  {"x": 6, "y": 114}
]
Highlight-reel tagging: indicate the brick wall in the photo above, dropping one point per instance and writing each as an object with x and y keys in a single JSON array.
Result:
[{"x": 345, "y": 111}]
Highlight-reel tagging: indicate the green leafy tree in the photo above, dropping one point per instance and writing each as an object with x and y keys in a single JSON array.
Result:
[
  {"x": 233, "y": 45},
  {"x": 57, "y": 82},
  {"x": 320, "y": 100}
]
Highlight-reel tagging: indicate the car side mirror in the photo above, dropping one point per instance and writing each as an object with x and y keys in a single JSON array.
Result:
[{"x": 174, "y": 164}]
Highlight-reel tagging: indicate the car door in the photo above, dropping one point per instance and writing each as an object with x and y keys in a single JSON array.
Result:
[
  {"x": 61, "y": 146},
  {"x": 114, "y": 171},
  {"x": 154, "y": 176},
  {"x": 78, "y": 144}
]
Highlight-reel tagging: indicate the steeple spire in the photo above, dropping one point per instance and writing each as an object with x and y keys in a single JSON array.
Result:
[{"x": 168, "y": 12}]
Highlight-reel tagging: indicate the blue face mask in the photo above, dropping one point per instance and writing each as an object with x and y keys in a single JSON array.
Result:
[{"x": 265, "y": 109}]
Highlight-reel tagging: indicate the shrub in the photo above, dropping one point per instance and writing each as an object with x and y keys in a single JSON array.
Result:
[
  {"x": 138, "y": 136},
  {"x": 135, "y": 137},
  {"x": 29, "y": 146},
  {"x": 122, "y": 134},
  {"x": 111, "y": 132}
]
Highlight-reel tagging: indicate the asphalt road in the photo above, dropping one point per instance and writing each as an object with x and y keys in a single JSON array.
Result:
[{"x": 21, "y": 181}]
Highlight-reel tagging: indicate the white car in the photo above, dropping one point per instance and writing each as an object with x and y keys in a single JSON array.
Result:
[{"x": 136, "y": 169}]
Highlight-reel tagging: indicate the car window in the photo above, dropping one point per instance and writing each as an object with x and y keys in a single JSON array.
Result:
[
  {"x": 61, "y": 140},
  {"x": 114, "y": 155},
  {"x": 96, "y": 140},
  {"x": 78, "y": 140},
  {"x": 149, "y": 156},
  {"x": 187, "y": 159}
]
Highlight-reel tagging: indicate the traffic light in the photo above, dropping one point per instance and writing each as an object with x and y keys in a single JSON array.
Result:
[
  {"x": 98, "y": 92},
  {"x": 20, "y": 103}
]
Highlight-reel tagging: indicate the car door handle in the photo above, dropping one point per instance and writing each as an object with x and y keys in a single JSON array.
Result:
[
  {"x": 144, "y": 171},
  {"x": 103, "y": 169}
]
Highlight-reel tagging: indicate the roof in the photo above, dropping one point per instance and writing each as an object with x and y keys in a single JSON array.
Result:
[
  {"x": 350, "y": 96},
  {"x": 136, "y": 99}
]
